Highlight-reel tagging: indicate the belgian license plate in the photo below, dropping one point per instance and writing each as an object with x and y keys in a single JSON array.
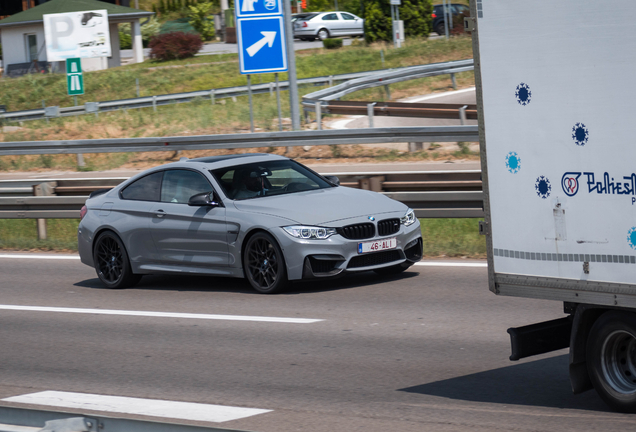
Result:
[{"x": 378, "y": 245}]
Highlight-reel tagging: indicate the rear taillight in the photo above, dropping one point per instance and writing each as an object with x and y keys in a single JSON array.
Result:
[
  {"x": 83, "y": 212},
  {"x": 433, "y": 15},
  {"x": 304, "y": 23}
]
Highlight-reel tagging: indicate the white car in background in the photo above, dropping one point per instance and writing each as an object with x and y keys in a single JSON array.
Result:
[{"x": 323, "y": 25}]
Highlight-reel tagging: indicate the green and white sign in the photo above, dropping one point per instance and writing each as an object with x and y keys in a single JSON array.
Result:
[{"x": 74, "y": 77}]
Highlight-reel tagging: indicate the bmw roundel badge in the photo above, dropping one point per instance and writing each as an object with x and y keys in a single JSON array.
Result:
[{"x": 371, "y": 218}]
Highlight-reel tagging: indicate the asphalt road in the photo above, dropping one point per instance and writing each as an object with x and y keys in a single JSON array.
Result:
[{"x": 425, "y": 351}]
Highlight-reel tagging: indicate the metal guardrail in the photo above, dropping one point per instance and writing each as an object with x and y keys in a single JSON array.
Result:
[
  {"x": 394, "y": 181},
  {"x": 247, "y": 140},
  {"x": 425, "y": 204},
  {"x": 167, "y": 99},
  {"x": 61, "y": 187},
  {"x": 386, "y": 78},
  {"x": 401, "y": 109},
  {"x": 432, "y": 194}
]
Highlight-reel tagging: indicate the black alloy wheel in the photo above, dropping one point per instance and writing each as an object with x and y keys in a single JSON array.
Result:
[
  {"x": 111, "y": 262},
  {"x": 264, "y": 264}
]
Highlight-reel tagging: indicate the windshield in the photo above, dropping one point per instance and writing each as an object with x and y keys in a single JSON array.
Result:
[{"x": 267, "y": 179}]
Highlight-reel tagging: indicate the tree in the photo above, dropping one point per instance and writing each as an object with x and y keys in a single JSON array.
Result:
[
  {"x": 416, "y": 15},
  {"x": 377, "y": 25},
  {"x": 198, "y": 18}
]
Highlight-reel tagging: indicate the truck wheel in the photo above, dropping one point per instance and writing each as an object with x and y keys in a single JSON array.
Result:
[{"x": 611, "y": 359}]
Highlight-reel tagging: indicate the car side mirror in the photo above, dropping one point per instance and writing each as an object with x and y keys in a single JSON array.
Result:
[
  {"x": 203, "y": 199},
  {"x": 333, "y": 180}
]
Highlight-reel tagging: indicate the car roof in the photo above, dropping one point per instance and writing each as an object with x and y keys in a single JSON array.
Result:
[
  {"x": 213, "y": 159},
  {"x": 209, "y": 163},
  {"x": 216, "y": 162}
]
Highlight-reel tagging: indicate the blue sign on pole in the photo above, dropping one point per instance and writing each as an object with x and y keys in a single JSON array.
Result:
[
  {"x": 261, "y": 36},
  {"x": 250, "y": 8}
]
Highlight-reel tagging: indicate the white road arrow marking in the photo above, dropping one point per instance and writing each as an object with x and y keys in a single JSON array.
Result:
[
  {"x": 147, "y": 407},
  {"x": 268, "y": 38}
]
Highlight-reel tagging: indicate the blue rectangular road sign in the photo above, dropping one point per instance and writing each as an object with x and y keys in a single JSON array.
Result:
[
  {"x": 261, "y": 44},
  {"x": 249, "y": 8},
  {"x": 261, "y": 36}
]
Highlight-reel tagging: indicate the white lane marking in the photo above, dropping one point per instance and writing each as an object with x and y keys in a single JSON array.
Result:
[
  {"x": 161, "y": 314},
  {"x": 450, "y": 264},
  {"x": 13, "y": 428},
  {"x": 147, "y": 407},
  {"x": 342, "y": 124},
  {"x": 437, "y": 95},
  {"x": 31, "y": 256}
]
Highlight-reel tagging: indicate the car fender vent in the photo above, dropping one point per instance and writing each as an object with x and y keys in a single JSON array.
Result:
[{"x": 357, "y": 231}]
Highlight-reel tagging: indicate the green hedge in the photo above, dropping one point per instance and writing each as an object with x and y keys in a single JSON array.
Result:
[{"x": 331, "y": 43}]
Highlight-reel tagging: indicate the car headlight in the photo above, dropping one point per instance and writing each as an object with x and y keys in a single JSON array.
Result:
[
  {"x": 309, "y": 232},
  {"x": 408, "y": 218}
]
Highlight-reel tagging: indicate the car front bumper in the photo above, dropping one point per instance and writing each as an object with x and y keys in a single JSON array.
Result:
[{"x": 307, "y": 259}]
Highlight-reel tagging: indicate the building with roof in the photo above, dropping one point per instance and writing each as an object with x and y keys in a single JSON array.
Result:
[
  {"x": 10, "y": 7},
  {"x": 23, "y": 43}
]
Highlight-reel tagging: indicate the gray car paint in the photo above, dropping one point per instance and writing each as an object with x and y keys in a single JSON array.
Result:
[
  {"x": 323, "y": 206},
  {"x": 209, "y": 240}
]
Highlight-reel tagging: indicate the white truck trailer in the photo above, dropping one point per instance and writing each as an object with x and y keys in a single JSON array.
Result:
[{"x": 556, "y": 99}]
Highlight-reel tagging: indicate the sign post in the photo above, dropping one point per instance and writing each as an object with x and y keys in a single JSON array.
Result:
[
  {"x": 74, "y": 77},
  {"x": 75, "y": 85},
  {"x": 396, "y": 24},
  {"x": 261, "y": 36}
]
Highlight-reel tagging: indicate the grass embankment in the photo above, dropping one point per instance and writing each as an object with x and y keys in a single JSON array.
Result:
[
  {"x": 217, "y": 71},
  {"x": 200, "y": 117},
  {"x": 442, "y": 237}
]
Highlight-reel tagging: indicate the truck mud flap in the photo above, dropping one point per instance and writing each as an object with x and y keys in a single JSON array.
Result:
[{"x": 540, "y": 338}]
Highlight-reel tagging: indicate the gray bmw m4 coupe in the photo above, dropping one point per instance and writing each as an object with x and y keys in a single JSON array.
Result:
[{"x": 263, "y": 217}]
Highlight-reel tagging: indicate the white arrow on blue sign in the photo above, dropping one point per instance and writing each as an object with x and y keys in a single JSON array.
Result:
[{"x": 261, "y": 43}]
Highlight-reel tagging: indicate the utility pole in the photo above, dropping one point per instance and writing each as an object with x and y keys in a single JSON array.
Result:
[{"x": 291, "y": 64}]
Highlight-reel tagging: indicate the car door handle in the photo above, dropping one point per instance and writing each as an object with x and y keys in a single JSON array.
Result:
[{"x": 160, "y": 213}]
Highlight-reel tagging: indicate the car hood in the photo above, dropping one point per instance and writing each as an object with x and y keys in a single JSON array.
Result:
[{"x": 323, "y": 206}]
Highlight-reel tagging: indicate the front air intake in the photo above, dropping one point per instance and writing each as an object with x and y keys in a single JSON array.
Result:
[
  {"x": 388, "y": 226},
  {"x": 357, "y": 231}
]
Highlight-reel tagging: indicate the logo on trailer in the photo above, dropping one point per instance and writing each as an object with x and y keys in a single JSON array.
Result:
[
  {"x": 543, "y": 187},
  {"x": 600, "y": 184},
  {"x": 570, "y": 183},
  {"x": 580, "y": 134},
  {"x": 513, "y": 162},
  {"x": 523, "y": 94}
]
